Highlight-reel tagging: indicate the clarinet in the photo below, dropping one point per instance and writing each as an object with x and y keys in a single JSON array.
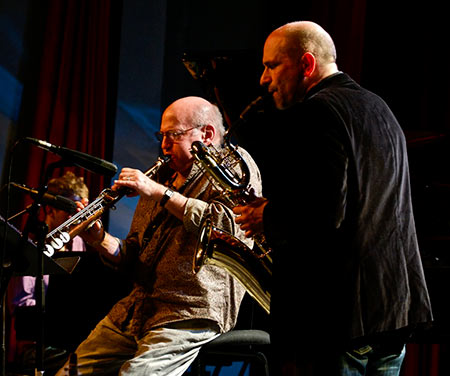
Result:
[{"x": 86, "y": 217}]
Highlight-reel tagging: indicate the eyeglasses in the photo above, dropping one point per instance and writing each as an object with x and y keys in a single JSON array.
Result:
[{"x": 173, "y": 135}]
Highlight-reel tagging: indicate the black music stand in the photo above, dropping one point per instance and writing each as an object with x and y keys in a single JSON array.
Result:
[{"x": 26, "y": 259}]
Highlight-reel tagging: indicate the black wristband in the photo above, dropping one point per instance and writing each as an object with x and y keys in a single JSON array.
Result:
[{"x": 166, "y": 197}]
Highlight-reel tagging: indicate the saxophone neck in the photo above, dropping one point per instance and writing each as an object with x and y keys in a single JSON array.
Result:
[
  {"x": 227, "y": 167},
  {"x": 256, "y": 105}
]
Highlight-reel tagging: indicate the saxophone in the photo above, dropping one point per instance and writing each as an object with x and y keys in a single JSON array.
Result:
[
  {"x": 81, "y": 221},
  {"x": 252, "y": 266}
]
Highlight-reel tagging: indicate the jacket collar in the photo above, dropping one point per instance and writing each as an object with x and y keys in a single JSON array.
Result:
[{"x": 337, "y": 78}]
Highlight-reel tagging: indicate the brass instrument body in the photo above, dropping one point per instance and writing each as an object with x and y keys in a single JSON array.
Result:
[
  {"x": 218, "y": 247},
  {"x": 81, "y": 221},
  {"x": 221, "y": 167},
  {"x": 251, "y": 266},
  {"x": 236, "y": 189}
]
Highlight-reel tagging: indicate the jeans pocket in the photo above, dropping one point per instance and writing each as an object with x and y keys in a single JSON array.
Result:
[{"x": 363, "y": 350}]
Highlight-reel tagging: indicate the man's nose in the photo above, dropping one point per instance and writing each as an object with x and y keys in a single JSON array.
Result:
[
  {"x": 265, "y": 78},
  {"x": 166, "y": 143}
]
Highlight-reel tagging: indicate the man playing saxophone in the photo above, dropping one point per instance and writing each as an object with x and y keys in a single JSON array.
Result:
[
  {"x": 171, "y": 312},
  {"x": 344, "y": 239}
]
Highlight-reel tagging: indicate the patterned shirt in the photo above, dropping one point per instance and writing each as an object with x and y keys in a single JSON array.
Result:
[{"x": 159, "y": 250}]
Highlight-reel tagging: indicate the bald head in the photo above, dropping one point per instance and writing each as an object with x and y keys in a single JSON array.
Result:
[
  {"x": 304, "y": 36},
  {"x": 297, "y": 56},
  {"x": 195, "y": 111}
]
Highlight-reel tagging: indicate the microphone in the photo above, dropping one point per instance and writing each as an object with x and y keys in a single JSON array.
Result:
[
  {"x": 83, "y": 160},
  {"x": 58, "y": 202}
]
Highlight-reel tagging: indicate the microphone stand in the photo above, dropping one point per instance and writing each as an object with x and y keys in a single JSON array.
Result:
[
  {"x": 7, "y": 268},
  {"x": 9, "y": 264},
  {"x": 40, "y": 230},
  {"x": 6, "y": 273}
]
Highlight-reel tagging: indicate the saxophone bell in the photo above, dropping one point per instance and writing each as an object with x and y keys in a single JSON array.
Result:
[{"x": 219, "y": 248}]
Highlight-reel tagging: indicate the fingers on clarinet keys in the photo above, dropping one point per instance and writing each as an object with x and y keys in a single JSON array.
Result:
[
  {"x": 98, "y": 221},
  {"x": 97, "y": 242}
]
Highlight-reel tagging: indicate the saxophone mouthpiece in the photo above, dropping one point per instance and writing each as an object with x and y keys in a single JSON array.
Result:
[{"x": 257, "y": 104}]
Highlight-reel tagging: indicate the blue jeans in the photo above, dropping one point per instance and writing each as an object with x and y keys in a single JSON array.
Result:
[
  {"x": 379, "y": 360},
  {"x": 163, "y": 351}
]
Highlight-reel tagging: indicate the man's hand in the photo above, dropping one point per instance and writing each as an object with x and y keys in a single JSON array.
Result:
[
  {"x": 250, "y": 217},
  {"x": 95, "y": 232},
  {"x": 139, "y": 183}
]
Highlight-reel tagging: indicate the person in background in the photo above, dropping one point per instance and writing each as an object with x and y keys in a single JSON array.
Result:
[
  {"x": 21, "y": 290},
  {"x": 159, "y": 328},
  {"x": 344, "y": 238}
]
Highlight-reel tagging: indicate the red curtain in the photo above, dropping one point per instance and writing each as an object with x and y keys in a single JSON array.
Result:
[
  {"x": 69, "y": 91},
  {"x": 73, "y": 101},
  {"x": 422, "y": 360}
]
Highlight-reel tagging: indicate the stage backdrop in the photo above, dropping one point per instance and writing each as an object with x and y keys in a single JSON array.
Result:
[{"x": 139, "y": 96}]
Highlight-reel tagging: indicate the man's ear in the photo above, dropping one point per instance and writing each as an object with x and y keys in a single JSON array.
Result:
[
  {"x": 209, "y": 132},
  {"x": 308, "y": 63}
]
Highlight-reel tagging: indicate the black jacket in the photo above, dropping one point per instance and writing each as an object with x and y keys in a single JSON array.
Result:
[{"x": 341, "y": 222}]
